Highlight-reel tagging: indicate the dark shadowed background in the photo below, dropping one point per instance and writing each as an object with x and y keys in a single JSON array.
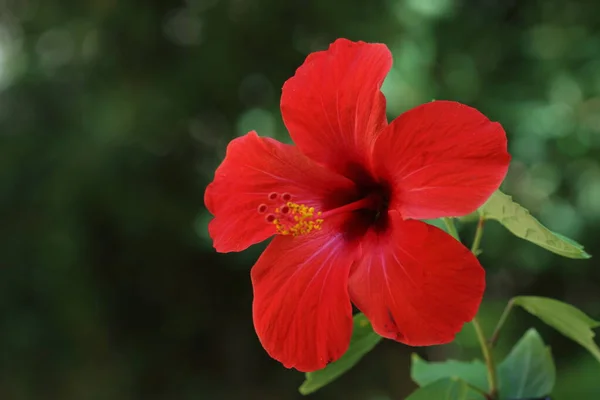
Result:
[{"x": 115, "y": 113}]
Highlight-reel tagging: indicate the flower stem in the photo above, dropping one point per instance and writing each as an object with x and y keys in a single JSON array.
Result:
[
  {"x": 501, "y": 321},
  {"x": 449, "y": 222},
  {"x": 478, "y": 235},
  {"x": 489, "y": 360},
  {"x": 486, "y": 347}
]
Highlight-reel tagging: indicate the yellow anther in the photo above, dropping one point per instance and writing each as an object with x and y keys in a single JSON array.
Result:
[{"x": 299, "y": 220}]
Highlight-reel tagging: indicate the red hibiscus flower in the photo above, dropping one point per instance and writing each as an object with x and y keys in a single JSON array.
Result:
[{"x": 344, "y": 205}]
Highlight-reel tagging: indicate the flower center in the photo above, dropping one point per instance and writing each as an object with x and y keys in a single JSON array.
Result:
[
  {"x": 297, "y": 219},
  {"x": 288, "y": 217}
]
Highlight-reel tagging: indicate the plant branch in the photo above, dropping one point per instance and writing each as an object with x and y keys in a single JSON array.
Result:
[
  {"x": 451, "y": 228},
  {"x": 501, "y": 321},
  {"x": 478, "y": 236},
  {"x": 486, "y": 348},
  {"x": 489, "y": 360}
]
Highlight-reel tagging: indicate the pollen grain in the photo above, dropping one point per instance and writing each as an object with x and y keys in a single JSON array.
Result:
[
  {"x": 298, "y": 219},
  {"x": 290, "y": 218}
]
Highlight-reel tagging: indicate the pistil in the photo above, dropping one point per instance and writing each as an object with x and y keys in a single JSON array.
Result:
[{"x": 371, "y": 202}]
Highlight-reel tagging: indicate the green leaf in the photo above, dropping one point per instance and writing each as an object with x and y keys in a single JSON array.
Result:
[
  {"x": 424, "y": 372},
  {"x": 517, "y": 219},
  {"x": 445, "y": 389},
  {"x": 565, "y": 318},
  {"x": 363, "y": 340},
  {"x": 528, "y": 371}
]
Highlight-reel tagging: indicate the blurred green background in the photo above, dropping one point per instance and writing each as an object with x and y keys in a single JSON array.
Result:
[{"x": 115, "y": 113}]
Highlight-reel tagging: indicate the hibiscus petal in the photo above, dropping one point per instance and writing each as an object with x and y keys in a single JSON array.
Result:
[
  {"x": 302, "y": 310},
  {"x": 415, "y": 283},
  {"x": 333, "y": 106},
  {"x": 442, "y": 159},
  {"x": 254, "y": 167}
]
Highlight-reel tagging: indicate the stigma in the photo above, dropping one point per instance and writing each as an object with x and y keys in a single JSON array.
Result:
[{"x": 290, "y": 218}]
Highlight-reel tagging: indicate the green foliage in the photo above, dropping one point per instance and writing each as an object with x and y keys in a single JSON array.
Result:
[
  {"x": 425, "y": 372},
  {"x": 445, "y": 389},
  {"x": 528, "y": 371},
  {"x": 115, "y": 114},
  {"x": 565, "y": 318},
  {"x": 521, "y": 223},
  {"x": 363, "y": 340}
]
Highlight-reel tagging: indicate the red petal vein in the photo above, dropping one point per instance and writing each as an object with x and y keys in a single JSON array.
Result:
[
  {"x": 415, "y": 283},
  {"x": 302, "y": 311},
  {"x": 253, "y": 168},
  {"x": 333, "y": 106},
  {"x": 442, "y": 159}
]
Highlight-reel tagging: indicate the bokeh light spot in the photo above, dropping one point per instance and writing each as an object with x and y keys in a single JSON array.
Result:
[
  {"x": 183, "y": 27},
  {"x": 262, "y": 121}
]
